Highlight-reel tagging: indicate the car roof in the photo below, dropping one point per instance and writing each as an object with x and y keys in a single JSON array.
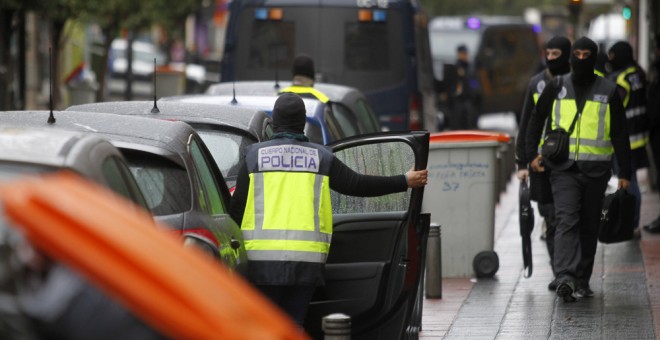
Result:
[
  {"x": 248, "y": 119},
  {"x": 167, "y": 138},
  {"x": 50, "y": 147},
  {"x": 334, "y": 92},
  {"x": 262, "y": 102}
]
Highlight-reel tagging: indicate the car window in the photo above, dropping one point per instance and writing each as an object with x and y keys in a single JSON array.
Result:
[
  {"x": 366, "y": 117},
  {"x": 344, "y": 118},
  {"x": 384, "y": 159},
  {"x": 227, "y": 149},
  {"x": 165, "y": 185},
  {"x": 129, "y": 181},
  {"x": 313, "y": 132},
  {"x": 114, "y": 178},
  {"x": 210, "y": 188}
]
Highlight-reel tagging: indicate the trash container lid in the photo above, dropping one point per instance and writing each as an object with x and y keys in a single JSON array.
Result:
[{"x": 469, "y": 136}]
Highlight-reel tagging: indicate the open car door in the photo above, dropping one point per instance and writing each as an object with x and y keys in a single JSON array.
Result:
[{"x": 376, "y": 259}]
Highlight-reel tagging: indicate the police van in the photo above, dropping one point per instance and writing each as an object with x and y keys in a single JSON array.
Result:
[
  {"x": 504, "y": 54},
  {"x": 378, "y": 46}
]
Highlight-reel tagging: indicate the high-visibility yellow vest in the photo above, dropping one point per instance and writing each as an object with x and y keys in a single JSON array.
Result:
[
  {"x": 306, "y": 90},
  {"x": 590, "y": 139},
  {"x": 634, "y": 102},
  {"x": 288, "y": 214}
]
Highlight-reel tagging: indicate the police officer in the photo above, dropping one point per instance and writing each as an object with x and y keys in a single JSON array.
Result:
[
  {"x": 303, "y": 79},
  {"x": 579, "y": 183},
  {"x": 557, "y": 52},
  {"x": 278, "y": 202},
  {"x": 631, "y": 82}
]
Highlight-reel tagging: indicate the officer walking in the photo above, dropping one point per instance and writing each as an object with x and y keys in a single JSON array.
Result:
[
  {"x": 285, "y": 212},
  {"x": 631, "y": 82},
  {"x": 579, "y": 182},
  {"x": 557, "y": 52}
]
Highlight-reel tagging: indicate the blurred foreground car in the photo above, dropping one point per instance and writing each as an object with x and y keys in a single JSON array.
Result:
[
  {"x": 346, "y": 114},
  {"x": 101, "y": 264},
  {"x": 174, "y": 170},
  {"x": 226, "y": 130}
]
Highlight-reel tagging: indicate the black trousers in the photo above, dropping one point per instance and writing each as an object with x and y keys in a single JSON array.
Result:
[{"x": 578, "y": 202}]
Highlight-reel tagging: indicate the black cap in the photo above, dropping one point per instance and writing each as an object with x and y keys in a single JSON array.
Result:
[
  {"x": 461, "y": 48},
  {"x": 303, "y": 65},
  {"x": 289, "y": 113}
]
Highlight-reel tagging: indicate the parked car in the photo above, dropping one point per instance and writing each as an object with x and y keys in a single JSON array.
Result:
[
  {"x": 37, "y": 151},
  {"x": 173, "y": 168},
  {"x": 347, "y": 113},
  {"x": 226, "y": 130},
  {"x": 144, "y": 55}
]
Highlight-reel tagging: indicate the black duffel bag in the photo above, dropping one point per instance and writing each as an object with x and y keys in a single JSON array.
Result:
[{"x": 617, "y": 217}]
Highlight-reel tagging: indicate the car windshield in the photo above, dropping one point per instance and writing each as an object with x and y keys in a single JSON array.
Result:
[
  {"x": 165, "y": 185},
  {"x": 227, "y": 149},
  {"x": 444, "y": 44}
]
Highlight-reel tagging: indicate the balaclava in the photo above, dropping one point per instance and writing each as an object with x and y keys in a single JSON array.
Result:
[
  {"x": 560, "y": 65},
  {"x": 583, "y": 69},
  {"x": 622, "y": 55},
  {"x": 289, "y": 114}
]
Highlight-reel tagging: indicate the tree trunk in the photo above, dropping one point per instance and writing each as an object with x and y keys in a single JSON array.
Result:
[{"x": 5, "y": 60}]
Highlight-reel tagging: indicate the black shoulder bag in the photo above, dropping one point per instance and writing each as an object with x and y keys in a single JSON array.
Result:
[{"x": 555, "y": 142}]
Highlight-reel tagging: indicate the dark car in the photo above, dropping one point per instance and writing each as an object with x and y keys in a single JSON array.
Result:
[
  {"x": 226, "y": 130},
  {"x": 174, "y": 170},
  {"x": 347, "y": 113},
  {"x": 37, "y": 151}
]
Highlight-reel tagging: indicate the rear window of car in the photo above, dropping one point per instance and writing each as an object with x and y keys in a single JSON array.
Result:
[
  {"x": 165, "y": 184},
  {"x": 366, "y": 55},
  {"x": 227, "y": 149}
]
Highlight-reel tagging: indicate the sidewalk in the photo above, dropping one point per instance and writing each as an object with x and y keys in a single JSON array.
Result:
[{"x": 626, "y": 282}]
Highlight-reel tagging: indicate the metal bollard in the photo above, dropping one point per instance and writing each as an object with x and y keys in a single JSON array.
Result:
[
  {"x": 433, "y": 279},
  {"x": 337, "y": 326}
]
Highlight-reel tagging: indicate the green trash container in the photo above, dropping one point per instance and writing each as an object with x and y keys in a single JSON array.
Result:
[{"x": 463, "y": 187}]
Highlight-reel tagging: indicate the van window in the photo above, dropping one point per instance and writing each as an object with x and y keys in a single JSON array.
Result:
[{"x": 271, "y": 44}]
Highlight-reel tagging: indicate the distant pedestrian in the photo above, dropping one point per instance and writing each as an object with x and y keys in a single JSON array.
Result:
[
  {"x": 579, "y": 182},
  {"x": 631, "y": 81},
  {"x": 303, "y": 79},
  {"x": 285, "y": 212},
  {"x": 557, "y": 52},
  {"x": 462, "y": 110}
]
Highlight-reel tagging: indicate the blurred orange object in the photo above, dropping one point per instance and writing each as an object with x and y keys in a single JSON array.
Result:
[{"x": 176, "y": 290}]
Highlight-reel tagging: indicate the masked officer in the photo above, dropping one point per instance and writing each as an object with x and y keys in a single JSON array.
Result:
[
  {"x": 631, "y": 82},
  {"x": 285, "y": 212},
  {"x": 579, "y": 183},
  {"x": 557, "y": 52},
  {"x": 303, "y": 79}
]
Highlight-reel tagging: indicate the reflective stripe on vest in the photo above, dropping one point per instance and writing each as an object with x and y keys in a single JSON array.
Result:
[
  {"x": 590, "y": 140},
  {"x": 639, "y": 135},
  {"x": 301, "y": 90}
]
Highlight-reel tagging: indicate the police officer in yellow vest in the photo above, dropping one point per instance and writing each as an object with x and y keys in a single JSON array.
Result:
[
  {"x": 579, "y": 183},
  {"x": 631, "y": 82},
  {"x": 557, "y": 52},
  {"x": 282, "y": 202},
  {"x": 303, "y": 79}
]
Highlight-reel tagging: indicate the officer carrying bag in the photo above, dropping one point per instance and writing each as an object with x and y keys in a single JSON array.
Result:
[{"x": 556, "y": 142}]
